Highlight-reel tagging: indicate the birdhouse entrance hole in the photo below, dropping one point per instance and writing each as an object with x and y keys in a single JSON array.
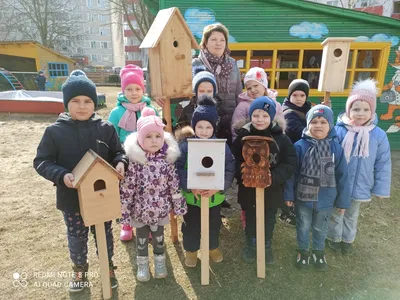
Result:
[
  {"x": 175, "y": 43},
  {"x": 99, "y": 185},
  {"x": 207, "y": 162},
  {"x": 256, "y": 158},
  {"x": 337, "y": 52}
]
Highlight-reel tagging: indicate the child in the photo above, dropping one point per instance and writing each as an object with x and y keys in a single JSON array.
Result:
[
  {"x": 295, "y": 108},
  {"x": 319, "y": 184},
  {"x": 124, "y": 116},
  {"x": 283, "y": 163},
  {"x": 41, "y": 81},
  {"x": 204, "y": 122},
  {"x": 203, "y": 83},
  {"x": 63, "y": 145},
  {"x": 256, "y": 84},
  {"x": 150, "y": 190},
  {"x": 367, "y": 152}
]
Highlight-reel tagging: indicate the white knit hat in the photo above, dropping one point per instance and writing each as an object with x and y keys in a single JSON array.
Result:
[{"x": 257, "y": 74}]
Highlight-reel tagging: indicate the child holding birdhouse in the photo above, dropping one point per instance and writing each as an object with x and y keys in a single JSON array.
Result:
[
  {"x": 124, "y": 116},
  {"x": 320, "y": 183},
  {"x": 63, "y": 145},
  {"x": 150, "y": 190},
  {"x": 282, "y": 161},
  {"x": 367, "y": 151},
  {"x": 204, "y": 123}
]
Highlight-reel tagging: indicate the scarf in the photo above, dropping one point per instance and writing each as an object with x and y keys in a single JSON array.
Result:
[
  {"x": 317, "y": 170},
  {"x": 129, "y": 119},
  {"x": 221, "y": 67},
  {"x": 361, "y": 149}
]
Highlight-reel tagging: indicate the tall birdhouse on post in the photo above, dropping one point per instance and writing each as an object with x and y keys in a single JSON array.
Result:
[{"x": 335, "y": 57}]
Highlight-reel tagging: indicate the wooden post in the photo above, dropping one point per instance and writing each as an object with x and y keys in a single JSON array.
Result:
[
  {"x": 104, "y": 263},
  {"x": 205, "y": 241},
  {"x": 327, "y": 97},
  {"x": 260, "y": 231}
]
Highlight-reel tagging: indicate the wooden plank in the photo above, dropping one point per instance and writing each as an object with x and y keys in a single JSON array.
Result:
[
  {"x": 155, "y": 75},
  {"x": 205, "y": 241},
  {"x": 104, "y": 263},
  {"x": 327, "y": 98},
  {"x": 260, "y": 229},
  {"x": 167, "y": 114}
]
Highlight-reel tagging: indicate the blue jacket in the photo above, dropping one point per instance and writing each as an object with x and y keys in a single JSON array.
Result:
[
  {"x": 371, "y": 175},
  {"x": 328, "y": 197}
]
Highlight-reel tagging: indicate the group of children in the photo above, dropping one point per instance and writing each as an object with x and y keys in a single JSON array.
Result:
[{"x": 325, "y": 175}]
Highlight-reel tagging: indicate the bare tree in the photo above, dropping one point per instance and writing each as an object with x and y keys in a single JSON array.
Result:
[
  {"x": 47, "y": 21},
  {"x": 351, "y": 3},
  {"x": 143, "y": 12}
]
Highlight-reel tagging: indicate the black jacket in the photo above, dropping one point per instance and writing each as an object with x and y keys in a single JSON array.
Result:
[
  {"x": 295, "y": 118},
  {"x": 283, "y": 163},
  {"x": 63, "y": 145}
]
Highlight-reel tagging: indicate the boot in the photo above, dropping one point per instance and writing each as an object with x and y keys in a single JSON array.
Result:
[
  {"x": 191, "y": 259},
  {"x": 269, "y": 255},
  {"x": 113, "y": 278},
  {"x": 143, "y": 272},
  {"x": 160, "y": 270},
  {"x": 249, "y": 254},
  {"x": 126, "y": 233},
  {"x": 79, "y": 278},
  {"x": 216, "y": 255}
]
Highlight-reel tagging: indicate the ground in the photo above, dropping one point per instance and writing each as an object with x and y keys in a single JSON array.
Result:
[{"x": 34, "y": 245}]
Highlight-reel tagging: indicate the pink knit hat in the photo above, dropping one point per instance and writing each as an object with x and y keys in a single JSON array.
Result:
[
  {"x": 364, "y": 90},
  {"x": 131, "y": 74},
  {"x": 148, "y": 122},
  {"x": 257, "y": 74}
]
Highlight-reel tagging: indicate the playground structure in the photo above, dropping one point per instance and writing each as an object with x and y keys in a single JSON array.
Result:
[{"x": 8, "y": 81}]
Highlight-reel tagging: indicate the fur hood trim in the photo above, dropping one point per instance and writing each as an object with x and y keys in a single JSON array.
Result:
[
  {"x": 184, "y": 133},
  {"x": 135, "y": 153}
]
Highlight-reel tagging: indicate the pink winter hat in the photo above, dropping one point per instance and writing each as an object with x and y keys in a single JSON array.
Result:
[
  {"x": 148, "y": 122},
  {"x": 257, "y": 74},
  {"x": 364, "y": 90},
  {"x": 131, "y": 74}
]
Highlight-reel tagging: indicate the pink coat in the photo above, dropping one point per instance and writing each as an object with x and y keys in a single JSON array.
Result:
[
  {"x": 150, "y": 190},
  {"x": 241, "y": 113}
]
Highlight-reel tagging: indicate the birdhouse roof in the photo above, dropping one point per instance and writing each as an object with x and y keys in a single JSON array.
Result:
[
  {"x": 337, "y": 39},
  {"x": 161, "y": 21},
  {"x": 87, "y": 162}
]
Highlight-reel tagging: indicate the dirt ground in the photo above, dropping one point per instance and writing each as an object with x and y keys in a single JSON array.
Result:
[{"x": 35, "y": 260}]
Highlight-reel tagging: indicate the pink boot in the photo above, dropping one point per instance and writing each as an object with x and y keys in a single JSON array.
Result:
[
  {"x": 243, "y": 218},
  {"x": 126, "y": 233}
]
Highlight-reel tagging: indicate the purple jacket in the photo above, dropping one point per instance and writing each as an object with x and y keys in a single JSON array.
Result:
[{"x": 150, "y": 190}]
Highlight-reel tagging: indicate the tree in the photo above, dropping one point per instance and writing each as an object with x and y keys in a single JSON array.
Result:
[
  {"x": 143, "y": 11},
  {"x": 352, "y": 3},
  {"x": 46, "y": 21}
]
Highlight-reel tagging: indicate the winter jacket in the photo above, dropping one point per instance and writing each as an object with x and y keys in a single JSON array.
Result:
[
  {"x": 150, "y": 190},
  {"x": 41, "y": 81},
  {"x": 328, "y": 197},
  {"x": 118, "y": 111},
  {"x": 295, "y": 118},
  {"x": 181, "y": 165},
  {"x": 241, "y": 113},
  {"x": 371, "y": 175},
  {"x": 227, "y": 101},
  {"x": 283, "y": 164},
  {"x": 63, "y": 145}
]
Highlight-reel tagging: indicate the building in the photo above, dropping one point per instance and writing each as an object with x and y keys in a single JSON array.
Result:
[
  {"x": 386, "y": 8},
  {"x": 285, "y": 39}
]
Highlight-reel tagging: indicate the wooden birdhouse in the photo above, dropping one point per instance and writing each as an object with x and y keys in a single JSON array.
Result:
[
  {"x": 98, "y": 189},
  {"x": 206, "y": 164},
  {"x": 256, "y": 167},
  {"x": 335, "y": 57},
  {"x": 170, "y": 43}
]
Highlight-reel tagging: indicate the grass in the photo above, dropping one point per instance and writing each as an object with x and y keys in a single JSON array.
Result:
[{"x": 33, "y": 241}]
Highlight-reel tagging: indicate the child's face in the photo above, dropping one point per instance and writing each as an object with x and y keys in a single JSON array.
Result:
[
  {"x": 255, "y": 89},
  {"x": 205, "y": 88},
  {"x": 260, "y": 119},
  {"x": 204, "y": 129},
  {"x": 360, "y": 112},
  {"x": 298, "y": 98},
  {"x": 319, "y": 128},
  {"x": 133, "y": 93},
  {"x": 153, "y": 142},
  {"x": 81, "y": 108}
]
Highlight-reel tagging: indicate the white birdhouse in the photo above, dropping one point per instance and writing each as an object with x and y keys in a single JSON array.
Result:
[
  {"x": 206, "y": 164},
  {"x": 335, "y": 57}
]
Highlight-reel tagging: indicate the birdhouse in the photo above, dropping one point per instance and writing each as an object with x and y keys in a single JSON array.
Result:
[
  {"x": 335, "y": 57},
  {"x": 170, "y": 43},
  {"x": 98, "y": 189},
  {"x": 206, "y": 164},
  {"x": 256, "y": 167}
]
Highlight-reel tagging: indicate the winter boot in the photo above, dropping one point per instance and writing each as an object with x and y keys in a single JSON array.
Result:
[
  {"x": 79, "y": 278},
  {"x": 143, "y": 272},
  {"x": 126, "y": 233},
  {"x": 216, "y": 255},
  {"x": 160, "y": 270},
  {"x": 191, "y": 259}
]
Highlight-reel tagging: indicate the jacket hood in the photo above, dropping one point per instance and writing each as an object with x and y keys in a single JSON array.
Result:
[
  {"x": 122, "y": 99},
  {"x": 170, "y": 150},
  {"x": 273, "y": 128},
  {"x": 289, "y": 105},
  {"x": 243, "y": 97},
  {"x": 184, "y": 133},
  {"x": 343, "y": 115},
  {"x": 66, "y": 118}
]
